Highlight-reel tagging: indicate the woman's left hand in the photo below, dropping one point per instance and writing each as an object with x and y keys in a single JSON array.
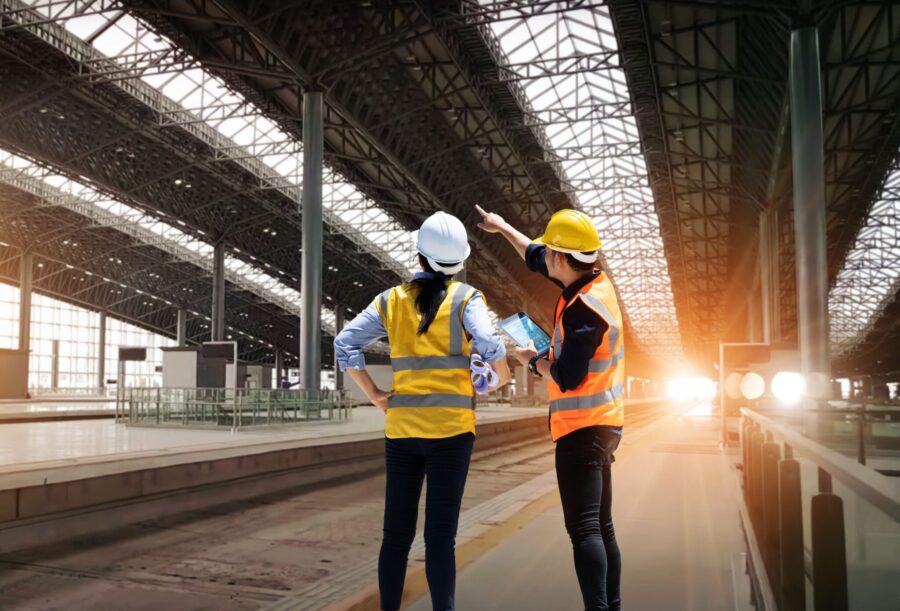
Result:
[
  {"x": 380, "y": 399},
  {"x": 523, "y": 355}
]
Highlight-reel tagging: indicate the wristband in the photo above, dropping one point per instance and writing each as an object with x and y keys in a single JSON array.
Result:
[{"x": 532, "y": 366}]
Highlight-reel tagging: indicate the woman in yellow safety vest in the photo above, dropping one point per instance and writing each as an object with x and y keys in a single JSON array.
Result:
[{"x": 433, "y": 324}]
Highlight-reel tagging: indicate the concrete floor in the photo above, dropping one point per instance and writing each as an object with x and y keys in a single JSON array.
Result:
[{"x": 676, "y": 517}]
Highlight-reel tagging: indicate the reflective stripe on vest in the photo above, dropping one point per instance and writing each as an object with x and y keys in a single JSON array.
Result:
[
  {"x": 601, "y": 365},
  {"x": 432, "y": 400},
  {"x": 589, "y": 401},
  {"x": 407, "y": 363}
]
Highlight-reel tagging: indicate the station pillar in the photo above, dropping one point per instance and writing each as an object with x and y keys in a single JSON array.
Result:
[
  {"x": 807, "y": 144},
  {"x": 181, "y": 328},
  {"x": 26, "y": 268},
  {"x": 101, "y": 352},
  {"x": 218, "y": 296},
  {"x": 311, "y": 258}
]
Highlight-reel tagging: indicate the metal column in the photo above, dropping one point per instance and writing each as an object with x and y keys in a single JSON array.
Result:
[
  {"x": 809, "y": 209},
  {"x": 338, "y": 325},
  {"x": 311, "y": 260},
  {"x": 181, "y": 329},
  {"x": 218, "y": 296},
  {"x": 101, "y": 352},
  {"x": 26, "y": 266},
  {"x": 765, "y": 276},
  {"x": 279, "y": 367},
  {"x": 774, "y": 221},
  {"x": 54, "y": 364}
]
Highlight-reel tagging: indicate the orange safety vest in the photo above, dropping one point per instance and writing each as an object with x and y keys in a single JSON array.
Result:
[{"x": 598, "y": 400}]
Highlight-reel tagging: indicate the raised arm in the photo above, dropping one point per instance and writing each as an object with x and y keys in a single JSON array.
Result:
[{"x": 494, "y": 223}]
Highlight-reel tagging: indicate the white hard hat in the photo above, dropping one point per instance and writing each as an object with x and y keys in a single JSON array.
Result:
[{"x": 443, "y": 241}]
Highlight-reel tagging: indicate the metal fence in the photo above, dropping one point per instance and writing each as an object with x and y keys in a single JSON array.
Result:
[
  {"x": 229, "y": 407},
  {"x": 823, "y": 524}
]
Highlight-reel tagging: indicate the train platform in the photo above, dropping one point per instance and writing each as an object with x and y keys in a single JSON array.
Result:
[
  {"x": 72, "y": 442},
  {"x": 57, "y": 408},
  {"x": 677, "y": 521},
  {"x": 65, "y": 474}
]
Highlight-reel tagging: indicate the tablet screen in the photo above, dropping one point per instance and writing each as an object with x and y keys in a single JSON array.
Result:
[{"x": 522, "y": 330}]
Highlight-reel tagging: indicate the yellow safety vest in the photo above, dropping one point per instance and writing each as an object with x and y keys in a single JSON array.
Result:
[
  {"x": 433, "y": 392},
  {"x": 598, "y": 400}
]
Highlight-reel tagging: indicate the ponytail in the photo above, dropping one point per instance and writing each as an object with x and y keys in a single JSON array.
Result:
[{"x": 431, "y": 293}]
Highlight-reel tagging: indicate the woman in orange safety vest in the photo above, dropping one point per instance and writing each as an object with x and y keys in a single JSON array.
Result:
[{"x": 585, "y": 374}]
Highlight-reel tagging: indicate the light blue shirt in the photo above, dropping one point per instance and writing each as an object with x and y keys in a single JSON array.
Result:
[{"x": 368, "y": 327}]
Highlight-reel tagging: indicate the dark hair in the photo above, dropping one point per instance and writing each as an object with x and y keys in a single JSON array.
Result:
[
  {"x": 580, "y": 266},
  {"x": 431, "y": 294}
]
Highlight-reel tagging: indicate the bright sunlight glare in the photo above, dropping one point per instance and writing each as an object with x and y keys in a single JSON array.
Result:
[{"x": 690, "y": 389}]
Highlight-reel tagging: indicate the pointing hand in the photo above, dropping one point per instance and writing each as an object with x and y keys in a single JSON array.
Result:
[{"x": 490, "y": 221}]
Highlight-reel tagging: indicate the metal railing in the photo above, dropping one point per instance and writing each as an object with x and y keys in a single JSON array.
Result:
[
  {"x": 809, "y": 548},
  {"x": 866, "y": 430},
  {"x": 229, "y": 407}
]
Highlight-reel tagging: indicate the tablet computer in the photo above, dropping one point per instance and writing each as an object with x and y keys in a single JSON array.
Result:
[{"x": 523, "y": 330}]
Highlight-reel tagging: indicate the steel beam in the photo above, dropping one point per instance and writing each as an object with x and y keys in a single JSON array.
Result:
[
  {"x": 311, "y": 258},
  {"x": 809, "y": 209}
]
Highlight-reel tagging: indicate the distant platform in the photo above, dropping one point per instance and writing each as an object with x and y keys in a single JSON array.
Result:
[
  {"x": 71, "y": 442},
  {"x": 55, "y": 408},
  {"x": 70, "y": 478}
]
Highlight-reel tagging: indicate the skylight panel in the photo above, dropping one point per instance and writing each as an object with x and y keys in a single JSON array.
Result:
[
  {"x": 561, "y": 48},
  {"x": 871, "y": 270}
]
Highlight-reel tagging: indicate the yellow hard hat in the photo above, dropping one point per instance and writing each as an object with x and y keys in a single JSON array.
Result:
[{"x": 570, "y": 231}]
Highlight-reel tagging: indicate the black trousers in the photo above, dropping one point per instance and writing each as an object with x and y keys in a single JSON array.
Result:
[
  {"x": 583, "y": 459},
  {"x": 445, "y": 463}
]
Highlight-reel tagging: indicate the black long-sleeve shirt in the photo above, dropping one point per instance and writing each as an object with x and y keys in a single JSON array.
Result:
[{"x": 583, "y": 327}]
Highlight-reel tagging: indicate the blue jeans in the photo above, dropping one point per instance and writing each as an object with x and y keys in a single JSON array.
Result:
[
  {"x": 583, "y": 459},
  {"x": 445, "y": 462}
]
